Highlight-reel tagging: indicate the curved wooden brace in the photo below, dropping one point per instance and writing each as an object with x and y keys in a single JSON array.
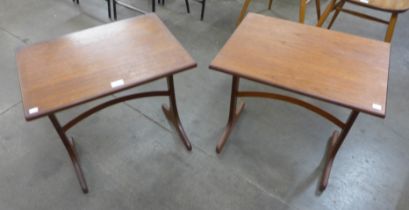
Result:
[
  {"x": 91, "y": 111},
  {"x": 295, "y": 101}
]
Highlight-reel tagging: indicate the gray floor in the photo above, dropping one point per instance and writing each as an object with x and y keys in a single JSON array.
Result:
[{"x": 133, "y": 159}]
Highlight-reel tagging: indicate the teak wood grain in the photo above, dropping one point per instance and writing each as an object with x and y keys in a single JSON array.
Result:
[
  {"x": 335, "y": 67},
  {"x": 385, "y": 5},
  {"x": 80, "y": 67}
]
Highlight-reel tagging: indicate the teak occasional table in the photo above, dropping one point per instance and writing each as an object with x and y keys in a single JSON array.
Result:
[
  {"x": 83, "y": 66},
  {"x": 338, "y": 68}
]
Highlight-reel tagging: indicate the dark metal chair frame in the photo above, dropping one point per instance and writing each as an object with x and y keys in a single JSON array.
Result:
[
  {"x": 160, "y": 2},
  {"x": 126, "y": 5},
  {"x": 108, "y": 2}
]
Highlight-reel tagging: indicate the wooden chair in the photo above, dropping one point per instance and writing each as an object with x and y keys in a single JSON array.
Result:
[
  {"x": 392, "y": 6},
  {"x": 303, "y": 8}
]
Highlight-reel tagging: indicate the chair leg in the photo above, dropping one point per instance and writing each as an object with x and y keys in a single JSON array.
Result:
[
  {"x": 203, "y": 9},
  {"x": 243, "y": 11},
  {"x": 391, "y": 27},
  {"x": 318, "y": 8},
  {"x": 303, "y": 6},
  {"x": 114, "y": 8},
  {"x": 109, "y": 8},
  {"x": 153, "y": 5},
  {"x": 270, "y": 3},
  {"x": 187, "y": 6},
  {"x": 337, "y": 11},
  {"x": 328, "y": 10}
]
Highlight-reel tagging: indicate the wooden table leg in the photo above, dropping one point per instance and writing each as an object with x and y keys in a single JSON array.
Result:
[
  {"x": 70, "y": 146},
  {"x": 233, "y": 114},
  {"x": 243, "y": 11},
  {"x": 327, "y": 11},
  {"x": 391, "y": 27},
  {"x": 334, "y": 144},
  {"x": 172, "y": 114}
]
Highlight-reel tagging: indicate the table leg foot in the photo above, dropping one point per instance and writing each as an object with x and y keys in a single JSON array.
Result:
[
  {"x": 329, "y": 160},
  {"x": 174, "y": 118},
  {"x": 77, "y": 167},
  {"x": 72, "y": 152},
  {"x": 229, "y": 127},
  {"x": 335, "y": 143}
]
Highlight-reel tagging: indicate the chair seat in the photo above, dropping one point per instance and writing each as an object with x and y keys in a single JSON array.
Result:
[{"x": 384, "y": 5}]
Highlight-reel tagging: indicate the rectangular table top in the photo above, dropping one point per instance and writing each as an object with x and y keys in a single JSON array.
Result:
[
  {"x": 96, "y": 62},
  {"x": 343, "y": 69}
]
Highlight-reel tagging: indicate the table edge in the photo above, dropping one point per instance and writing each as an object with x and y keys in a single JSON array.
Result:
[
  {"x": 223, "y": 70},
  {"x": 104, "y": 94}
]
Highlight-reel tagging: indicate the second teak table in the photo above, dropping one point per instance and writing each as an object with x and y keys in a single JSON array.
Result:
[{"x": 338, "y": 68}]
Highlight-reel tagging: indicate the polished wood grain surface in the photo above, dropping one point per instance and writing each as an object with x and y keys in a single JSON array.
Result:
[
  {"x": 387, "y": 5},
  {"x": 80, "y": 67},
  {"x": 339, "y": 68}
]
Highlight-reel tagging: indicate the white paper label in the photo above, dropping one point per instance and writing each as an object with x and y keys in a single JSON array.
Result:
[
  {"x": 33, "y": 110},
  {"x": 117, "y": 83},
  {"x": 377, "y": 107},
  {"x": 364, "y": 1}
]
